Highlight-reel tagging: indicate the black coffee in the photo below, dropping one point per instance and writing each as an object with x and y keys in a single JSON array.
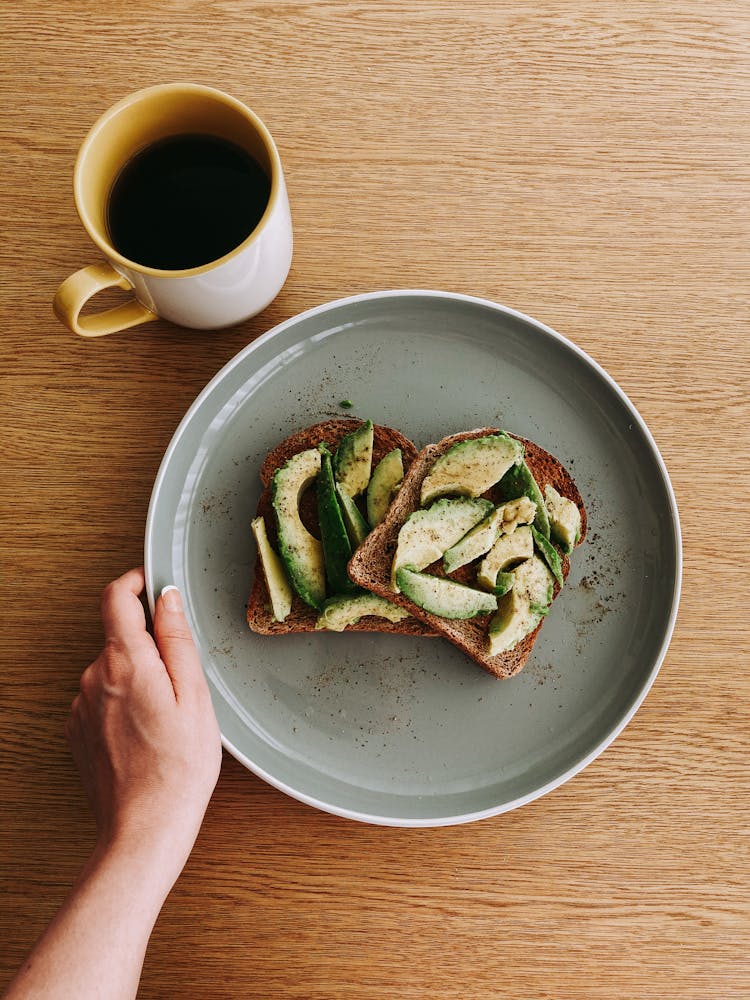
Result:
[{"x": 185, "y": 201}]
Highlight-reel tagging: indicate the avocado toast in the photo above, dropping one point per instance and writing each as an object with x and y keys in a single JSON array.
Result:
[
  {"x": 476, "y": 543},
  {"x": 323, "y": 488}
]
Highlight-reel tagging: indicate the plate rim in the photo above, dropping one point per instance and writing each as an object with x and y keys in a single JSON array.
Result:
[{"x": 463, "y": 818}]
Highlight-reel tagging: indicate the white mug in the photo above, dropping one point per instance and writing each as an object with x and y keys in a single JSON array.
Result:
[{"x": 220, "y": 293}]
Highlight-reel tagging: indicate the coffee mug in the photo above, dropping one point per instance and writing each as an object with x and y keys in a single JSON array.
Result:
[{"x": 141, "y": 135}]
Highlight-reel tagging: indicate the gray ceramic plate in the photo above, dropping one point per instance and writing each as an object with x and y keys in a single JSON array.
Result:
[{"x": 408, "y": 731}]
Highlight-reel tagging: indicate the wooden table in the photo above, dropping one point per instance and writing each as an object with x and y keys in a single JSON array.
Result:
[{"x": 583, "y": 162}]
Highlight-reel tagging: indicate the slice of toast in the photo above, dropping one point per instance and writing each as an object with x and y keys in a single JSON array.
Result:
[
  {"x": 370, "y": 566},
  {"x": 302, "y": 617}
]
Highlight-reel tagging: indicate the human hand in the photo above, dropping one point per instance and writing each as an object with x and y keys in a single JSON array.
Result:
[
  {"x": 146, "y": 741},
  {"x": 143, "y": 730}
]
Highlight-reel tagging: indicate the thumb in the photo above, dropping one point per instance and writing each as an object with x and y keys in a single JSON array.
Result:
[{"x": 176, "y": 646}]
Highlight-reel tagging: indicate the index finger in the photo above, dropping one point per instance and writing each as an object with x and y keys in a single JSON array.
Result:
[{"x": 123, "y": 617}]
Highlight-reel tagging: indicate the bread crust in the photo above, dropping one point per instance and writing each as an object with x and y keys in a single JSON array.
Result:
[
  {"x": 302, "y": 617},
  {"x": 370, "y": 566}
]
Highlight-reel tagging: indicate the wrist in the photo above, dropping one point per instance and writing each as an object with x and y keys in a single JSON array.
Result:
[{"x": 149, "y": 860}]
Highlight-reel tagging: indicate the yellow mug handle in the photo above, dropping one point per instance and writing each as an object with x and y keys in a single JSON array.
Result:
[{"x": 75, "y": 291}]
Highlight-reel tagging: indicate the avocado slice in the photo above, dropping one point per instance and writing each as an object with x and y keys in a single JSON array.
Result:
[
  {"x": 444, "y": 597},
  {"x": 352, "y": 462},
  {"x": 427, "y": 534},
  {"x": 475, "y": 542},
  {"x": 279, "y": 588},
  {"x": 506, "y": 551},
  {"x": 384, "y": 483},
  {"x": 336, "y": 545},
  {"x": 550, "y": 554},
  {"x": 521, "y": 610},
  {"x": 356, "y": 527},
  {"x": 483, "y": 536},
  {"x": 519, "y": 482},
  {"x": 340, "y": 612},
  {"x": 503, "y": 583},
  {"x": 301, "y": 553},
  {"x": 516, "y": 512},
  {"x": 470, "y": 467},
  {"x": 564, "y": 519}
]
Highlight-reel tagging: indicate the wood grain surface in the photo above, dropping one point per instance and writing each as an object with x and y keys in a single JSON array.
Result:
[{"x": 585, "y": 162}]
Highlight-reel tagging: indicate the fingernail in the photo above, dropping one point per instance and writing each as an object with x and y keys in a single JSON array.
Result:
[{"x": 171, "y": 598}]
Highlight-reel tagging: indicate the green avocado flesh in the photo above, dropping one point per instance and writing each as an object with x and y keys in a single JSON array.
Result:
[
  {"x": 506, "y": 552},
  {"x": 385, "y": 481},
  {"x": 301, "y": 553},
  {"x": 356, "y": 527},
  {"x": 471, "y": 467},
  {"x": 550, "y": 554},
  {"x": 503, "y": 583},
  {"x": 475, "y": 542},
  {"x": 444, "y": 597},
  {"x": 337, "y": 548},
  {"x": 340, "y": 612},
  {"x": 502, "y": 521},
  {"x": 279, "y": 589},
  {"x": 427, "y": 534},
  {"x": 564, "y": 519},
  {"x": 519, "y": 482},
  {"x": 521, "y": 610},
  {"x": 352, "y": 462}
]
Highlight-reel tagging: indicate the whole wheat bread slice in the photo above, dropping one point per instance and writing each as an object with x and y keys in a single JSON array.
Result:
[
  {"x": 370, "y": 566},
  {"x": 302, "y": 617}
]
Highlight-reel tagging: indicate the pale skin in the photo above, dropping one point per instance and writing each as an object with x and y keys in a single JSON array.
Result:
[{"x": 146, "y": 742}]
